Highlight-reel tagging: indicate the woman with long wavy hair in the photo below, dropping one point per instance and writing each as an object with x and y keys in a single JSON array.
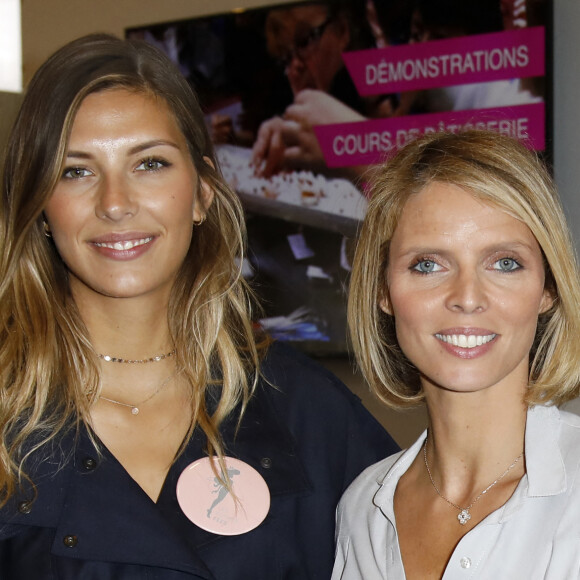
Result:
[{"x": 146, "y": 429}]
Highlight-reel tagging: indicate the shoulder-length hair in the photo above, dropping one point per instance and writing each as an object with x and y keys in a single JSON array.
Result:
[
  {"x": 498, "y": 171},
  {"x": 48, "y": 369}
]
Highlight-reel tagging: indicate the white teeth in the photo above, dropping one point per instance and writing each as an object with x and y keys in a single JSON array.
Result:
[
  {"x": 127, "y": 245},
  {"x": 464, "y": 340}
]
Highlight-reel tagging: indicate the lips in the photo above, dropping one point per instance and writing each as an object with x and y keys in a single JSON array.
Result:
[
  {"x": 123, "y": 246},
  {"x": 466, "y": 340}
]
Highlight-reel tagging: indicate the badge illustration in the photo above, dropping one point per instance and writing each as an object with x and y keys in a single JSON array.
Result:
[{"x": 209, "y": 504}]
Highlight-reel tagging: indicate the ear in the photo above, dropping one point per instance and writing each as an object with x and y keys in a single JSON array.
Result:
[
  {"x": 385, "y": 304},
  {"x": 546, "y": 302},
  {"x": 205, "y": 196}
]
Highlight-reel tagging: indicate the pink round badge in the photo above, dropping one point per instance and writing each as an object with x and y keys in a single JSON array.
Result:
[{"x": 210, "y": 505}]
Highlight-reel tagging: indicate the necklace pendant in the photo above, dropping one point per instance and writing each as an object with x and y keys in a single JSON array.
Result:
[
  {"x": 135, "y": 410},
  {"x": 464, "y": 516}
]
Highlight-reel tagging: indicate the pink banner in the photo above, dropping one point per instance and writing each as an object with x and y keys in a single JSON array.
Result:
[
  {"x": 470, "y": 59},
  {"x": 369, "y": 142}
]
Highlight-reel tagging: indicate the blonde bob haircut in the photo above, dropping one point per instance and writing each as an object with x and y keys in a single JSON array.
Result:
[
  {"x": 49, "y": 373},
  {"x": 498, "y": 171}
]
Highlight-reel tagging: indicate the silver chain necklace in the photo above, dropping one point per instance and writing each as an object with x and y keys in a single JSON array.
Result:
[
  {"x": 135, "y": 408},
  {"x": 464, "y": 516}
]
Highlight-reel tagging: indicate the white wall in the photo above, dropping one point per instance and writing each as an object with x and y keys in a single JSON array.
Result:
[
  {"x": 567, "y": 108},
  {"x": 567, "y": 115},
  {"x": 10, "y": 46}
]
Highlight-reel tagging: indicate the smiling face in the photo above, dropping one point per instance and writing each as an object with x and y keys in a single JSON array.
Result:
[
  {"x": 122, "y": 213},
  {"x": 465, "y": 286}
]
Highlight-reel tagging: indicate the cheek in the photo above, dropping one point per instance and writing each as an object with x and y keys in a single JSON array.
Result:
[
  {"x": 412, "y": 305},
  {"x": 415, "y": 314},
  {"x": 178, "y": 217},
  {"x": 526, "y": 304},
  {"x": 407, "y": 311},
  {"x": 62, "y": 217},
  {"x": 318, "y": 75},
  {"x": 178, "y": 204},
  {"x": 525, "y": 316}
]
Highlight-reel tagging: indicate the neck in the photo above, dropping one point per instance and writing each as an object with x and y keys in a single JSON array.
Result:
[
  {"x": 473, "y": 437},
  {"x": 132, "y": 329}
]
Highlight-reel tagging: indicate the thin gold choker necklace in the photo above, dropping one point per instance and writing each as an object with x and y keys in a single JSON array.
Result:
[
  {"x": 135, "y": 408},
  {"x": 157, "y": 358},
  {"x": 464, "y": 516}
]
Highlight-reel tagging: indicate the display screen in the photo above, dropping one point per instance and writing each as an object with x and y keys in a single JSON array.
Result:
[{"x": 303, "y": 100}]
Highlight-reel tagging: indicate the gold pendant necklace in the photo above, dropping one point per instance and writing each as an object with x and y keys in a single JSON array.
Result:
[
  {"x": 159, "y": 357},
  {"x": 135, "y": 408}
]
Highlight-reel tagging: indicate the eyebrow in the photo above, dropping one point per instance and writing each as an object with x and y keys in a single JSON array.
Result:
[
  {"x": 511, "y": 245},
  {"x": 135, "y": 149},
  {"x": 153, "y": 143}
]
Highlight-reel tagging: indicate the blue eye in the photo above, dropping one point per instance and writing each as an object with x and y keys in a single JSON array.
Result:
[
  {"x": 506, "y": 265},
  {"x": 426, "y": 266},
  {"x": 75, "y": 173}
]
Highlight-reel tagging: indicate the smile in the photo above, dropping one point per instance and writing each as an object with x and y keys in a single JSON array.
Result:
[
  {"x": 465, "y": 341},
  {"x": 127, "y": 245}
]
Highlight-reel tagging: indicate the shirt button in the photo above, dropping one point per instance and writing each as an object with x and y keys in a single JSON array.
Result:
[
  {"x": 465, "y": 563},
  {"x": 266, "y": 462},
  {"x": 89, "y": 463},
  {"x": 70, "y": 541},
  {"x": 25, "y": 507}
]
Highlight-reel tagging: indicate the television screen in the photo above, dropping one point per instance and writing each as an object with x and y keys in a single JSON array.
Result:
[{"x": 303, "y": 99}]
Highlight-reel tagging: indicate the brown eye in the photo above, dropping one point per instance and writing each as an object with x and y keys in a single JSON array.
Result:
[{"x": 75, "y": 173}]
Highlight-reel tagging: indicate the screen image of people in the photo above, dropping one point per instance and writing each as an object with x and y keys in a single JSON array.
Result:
[{"x": 303, "y": 100}]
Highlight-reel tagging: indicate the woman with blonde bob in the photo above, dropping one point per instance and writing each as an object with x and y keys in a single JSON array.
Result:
[
  {"x": 464, "y": 295},
  {"x": 128, "y": 355}
]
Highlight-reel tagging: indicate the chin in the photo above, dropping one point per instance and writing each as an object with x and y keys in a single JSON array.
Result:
[{"x": 462, "y": 384}]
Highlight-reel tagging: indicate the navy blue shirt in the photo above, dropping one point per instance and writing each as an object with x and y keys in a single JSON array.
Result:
[{"x": 304, "y": 432}]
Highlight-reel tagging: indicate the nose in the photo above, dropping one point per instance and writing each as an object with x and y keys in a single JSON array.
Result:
[
  {"x": 299, "y": 77},
  {"x": 295, "y": 66},
  {"x": 115, "y": 200},
  {"x": 467, "y": 293}
]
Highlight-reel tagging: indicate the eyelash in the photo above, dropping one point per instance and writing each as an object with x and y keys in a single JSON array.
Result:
[
  {"x": 426, "y": 260},
  {"x": 415, "y": 266},
  {"x": 158, "y": 161},
  {"x": 68, "y": 170},
  {"x": 161, "y": 163},
  {"x": 512, "y": 259}
]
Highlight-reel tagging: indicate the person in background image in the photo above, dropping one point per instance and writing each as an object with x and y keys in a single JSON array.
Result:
[
  {"x": 308, "y": 41},
  {"x": 464, "y": 296},
  {"x": 147, "y": 428}
]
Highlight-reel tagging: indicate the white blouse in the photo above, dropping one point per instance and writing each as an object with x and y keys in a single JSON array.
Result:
[{"x": 536, "y": 534}]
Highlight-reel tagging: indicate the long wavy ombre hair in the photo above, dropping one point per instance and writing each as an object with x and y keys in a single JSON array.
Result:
[
  {"x": 498, "y": 171},
  {"x": 49, "y": 376}
]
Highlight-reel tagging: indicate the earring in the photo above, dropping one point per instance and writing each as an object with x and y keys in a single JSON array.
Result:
[
  {"x": 46, "y": 228},
  {"x": 200, "y": 221}
]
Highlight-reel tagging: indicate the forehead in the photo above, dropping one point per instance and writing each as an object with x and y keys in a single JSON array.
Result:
[
  {"x": 447, "y": 210},
  {"x": 309, "y": 15},
  {"x": 119, "y": 109},
  {"x": 120, "y": 96},
  {"x": 283, "y": 24}
]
